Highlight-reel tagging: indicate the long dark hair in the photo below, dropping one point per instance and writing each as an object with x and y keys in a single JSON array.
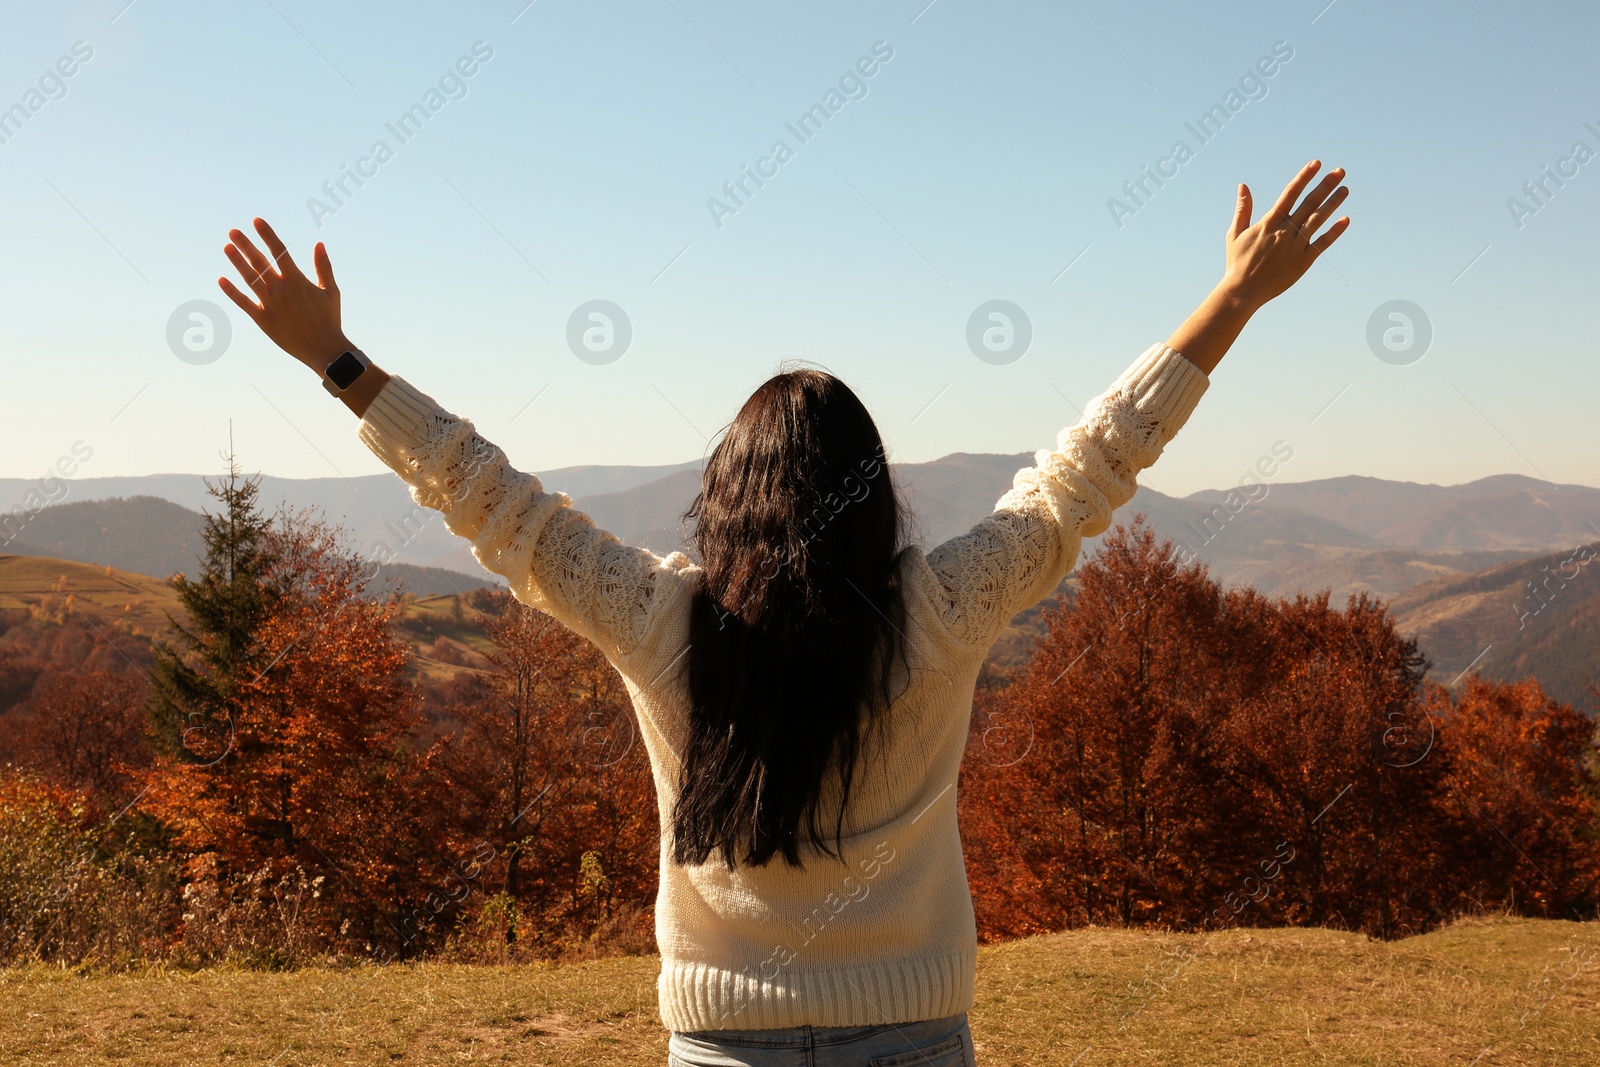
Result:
[{"x": 796, "y": 628}]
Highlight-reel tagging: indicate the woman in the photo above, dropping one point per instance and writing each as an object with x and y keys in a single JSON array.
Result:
[{"x": 803, "y": 692}]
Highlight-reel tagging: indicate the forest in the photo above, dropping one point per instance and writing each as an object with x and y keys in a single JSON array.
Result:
[{"x": 271, "y": 781}]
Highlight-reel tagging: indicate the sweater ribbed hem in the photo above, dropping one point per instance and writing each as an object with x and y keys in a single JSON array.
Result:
[{"x": 699, "y": 997}]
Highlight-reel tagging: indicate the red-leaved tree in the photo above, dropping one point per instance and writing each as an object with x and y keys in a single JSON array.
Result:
[{"x": 1196, "y": 757}]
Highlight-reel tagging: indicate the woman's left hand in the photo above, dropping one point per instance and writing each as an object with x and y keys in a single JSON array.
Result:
[{"x": 299, "y": 315}]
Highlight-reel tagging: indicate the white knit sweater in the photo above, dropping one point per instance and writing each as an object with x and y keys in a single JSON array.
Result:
[{"x": 887, "y": 935}]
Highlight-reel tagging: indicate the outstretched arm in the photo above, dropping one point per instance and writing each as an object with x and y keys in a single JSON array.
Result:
[
  {"x": 553, "y": 555},
  {"x": 1016, "y": 556}
]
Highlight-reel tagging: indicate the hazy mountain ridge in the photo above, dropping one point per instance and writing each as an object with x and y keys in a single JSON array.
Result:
[
  {"x": 1537, "y": 617},
  {"x": 375, "y": 509},
  {"x": 144, "y": 534},
  {"x": 148, "y": 536},
  {"x": 1349, "y": 534},
  {"x": 1443, "y": 555},
  {"x": 1502, "y": 511}
]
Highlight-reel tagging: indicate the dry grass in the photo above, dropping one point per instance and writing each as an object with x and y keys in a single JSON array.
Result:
[
  {"x": 1288, "y": 996},
  {"x": 428, "y": 619},
  {"x": 140, "y": 605},
  {"x": 134, "y": 601},
  {"x": 1249, "y": 997}
]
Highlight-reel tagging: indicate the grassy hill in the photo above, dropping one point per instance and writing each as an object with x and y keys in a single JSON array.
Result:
[
  {"x": 446, "y": 635},
  {"x": 445, "y": 638},
  {"x": 135, "y": 602},
  {"x": 1481, "y": 991}
]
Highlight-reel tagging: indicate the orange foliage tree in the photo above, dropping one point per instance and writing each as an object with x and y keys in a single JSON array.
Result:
[
  {"x": 1198, "y": 757},
  {"x": 548, "y": 769},
  {"x": 315, "y": 763},
  {"x": 1522, "y": 789},
  {"x": 84, "y": 730}
]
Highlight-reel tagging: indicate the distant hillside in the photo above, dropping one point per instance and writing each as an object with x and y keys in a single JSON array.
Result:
[
  {"x": 429, "y": 581},
  {"x": 1350, "y": 534},
  {"x": 376, "y": 509},
  {"x": 648, "y": 515},
  {"x": 1279, "y": 549},
  {"x": 445, "y": 632},
  {"x": 145, "y": 534},
  {"x": 336, "y": 496},
  {"x": 1357, "y": 534},
  {"x": 1538, "y": 617},
  {"x": 155, "y": 537},
  {"x": 1505, "y": 511}
]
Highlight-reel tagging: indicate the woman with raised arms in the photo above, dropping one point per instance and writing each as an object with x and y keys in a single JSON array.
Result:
[{"x": 804, "y": 688}]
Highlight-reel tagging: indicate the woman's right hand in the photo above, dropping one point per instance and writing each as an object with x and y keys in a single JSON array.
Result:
[{"x": 1266, "y": 258}]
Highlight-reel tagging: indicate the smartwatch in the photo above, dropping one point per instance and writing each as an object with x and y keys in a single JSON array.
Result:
[{"x": 343, "y": 371}]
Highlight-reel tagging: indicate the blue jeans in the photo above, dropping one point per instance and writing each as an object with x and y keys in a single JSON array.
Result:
[{"x": 931, "y": 1043}]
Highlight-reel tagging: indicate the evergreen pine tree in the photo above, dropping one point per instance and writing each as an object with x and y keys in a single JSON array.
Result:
[{"x": 191, "y": 711}]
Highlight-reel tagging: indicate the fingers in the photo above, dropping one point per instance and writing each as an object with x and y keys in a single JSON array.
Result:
[
  {"x": 1292, "y": 191},
  {"x": 247, "y": 270},
  {"x": 1315, "y": 198},
  {"x": 319, "y": 256},
  {"x": 250, "y": 307},
  {"x": 1241, "y": 213},
  {"x": 280, "y": 253},
  {"x": 250, "y": 252},
  {"x": 1321, "y": 244},
  {"x": 1315, "y": 220}
]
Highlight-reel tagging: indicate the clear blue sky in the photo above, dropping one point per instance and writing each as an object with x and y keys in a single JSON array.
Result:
[{"x": 977, "y": 166}]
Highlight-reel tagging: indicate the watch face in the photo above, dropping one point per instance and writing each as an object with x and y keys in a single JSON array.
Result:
[{"x": 345, "y": 370}]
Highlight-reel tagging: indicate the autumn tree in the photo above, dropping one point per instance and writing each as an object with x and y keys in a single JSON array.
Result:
[
  {"x": 1523, "y": 799},
  {"x": 1123, "y": 702},
  {"x": 319, "y": 767},
  {"x": 548, "y": 763},
  {"x": 193, "y": 681},
  {"x": 83, "y": 730},
  {"x": 1198, "y": 757}
]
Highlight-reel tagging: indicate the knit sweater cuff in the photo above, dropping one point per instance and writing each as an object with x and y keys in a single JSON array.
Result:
[
  {"x": 1164, "y": 384},
  {"x": 398, "y": 418}
]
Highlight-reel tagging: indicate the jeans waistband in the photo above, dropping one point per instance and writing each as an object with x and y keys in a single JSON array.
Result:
[{"x": 803, "y": 1037}]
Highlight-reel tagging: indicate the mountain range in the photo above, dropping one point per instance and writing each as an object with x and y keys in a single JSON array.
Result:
[
  {"x": 1538, "y": 617},
  {"x": 1450, "y": 559}
]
